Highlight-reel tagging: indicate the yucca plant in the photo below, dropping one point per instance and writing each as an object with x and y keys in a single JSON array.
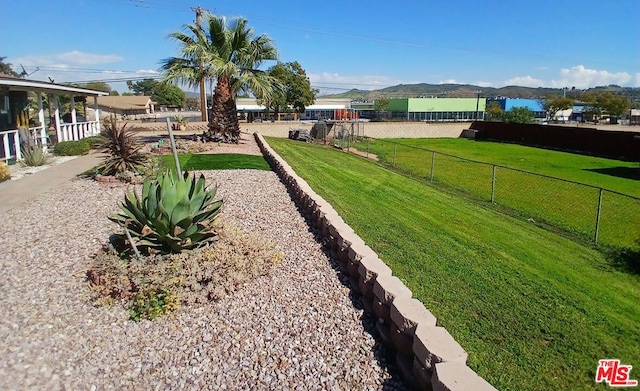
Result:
[
  {"x": 122, "y": 147},
  {"x": 34, "y": 156},
  {"x": 173, "y": 214}
]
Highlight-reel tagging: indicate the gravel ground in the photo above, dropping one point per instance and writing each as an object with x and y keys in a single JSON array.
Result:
[{"x": 297, "y": 328}]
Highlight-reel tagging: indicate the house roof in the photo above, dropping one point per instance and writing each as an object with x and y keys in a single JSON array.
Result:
[
  {"x": 17, "y": 84},
  {"x": 125, "y": 102}
]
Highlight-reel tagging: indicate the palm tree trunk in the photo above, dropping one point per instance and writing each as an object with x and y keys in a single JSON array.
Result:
[{"x": 224, "y": 118}]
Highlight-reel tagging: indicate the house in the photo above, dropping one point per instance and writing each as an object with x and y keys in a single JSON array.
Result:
[
  {"x": 126, "y": 105},
  {"x": 20, "y": 123}
]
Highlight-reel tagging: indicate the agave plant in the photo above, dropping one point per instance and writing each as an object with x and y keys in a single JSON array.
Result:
[
  {"x": 171, "y": 215},
  {"x": 34, "y": 156},
  {"x": 122, "y": 147}
]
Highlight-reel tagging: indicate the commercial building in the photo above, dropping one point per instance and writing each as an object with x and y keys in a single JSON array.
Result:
[{"x": 426, "y": 109}]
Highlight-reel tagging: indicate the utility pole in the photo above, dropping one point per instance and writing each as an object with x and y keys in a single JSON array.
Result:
[
  {"x": 477, "y": 104},
  {"x": 203, "y": 96}
]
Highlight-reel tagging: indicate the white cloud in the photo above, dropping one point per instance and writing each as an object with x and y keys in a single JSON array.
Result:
[
  {"x": 334, "y": 83},
  {"x": 448, "y": 81},
  {"x": 582, "y": 77},
  {"x": 78, "y": 66},
  {"x": 524, "y": 81},
  {"x": 72, "y": 59},
  {"x": 483, "y": 84}
]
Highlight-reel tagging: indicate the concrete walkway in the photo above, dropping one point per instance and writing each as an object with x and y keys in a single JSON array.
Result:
[{"x": 16, "y": 192}]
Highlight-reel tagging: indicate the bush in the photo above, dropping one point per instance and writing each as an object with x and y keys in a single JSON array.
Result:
[
  {"x": 34, "y": 156},
  {"x": 155, "y": 285},
  {"x": 5, "y": 172},
  {"x": 72, "y": 148},
  {"x": 95, "y": 142}
]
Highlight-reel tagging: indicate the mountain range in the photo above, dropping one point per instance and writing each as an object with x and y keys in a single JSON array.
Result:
[{"x": 470, "y": 91}]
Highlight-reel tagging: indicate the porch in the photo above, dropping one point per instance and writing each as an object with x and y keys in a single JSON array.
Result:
[{"x": 21, "y": 125}]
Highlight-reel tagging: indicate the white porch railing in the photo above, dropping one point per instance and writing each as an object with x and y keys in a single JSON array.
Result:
[
  {"x": 77, "y": 131},
  {"x": 10, "y": 138},
  {"x": 39, "y": 136}
]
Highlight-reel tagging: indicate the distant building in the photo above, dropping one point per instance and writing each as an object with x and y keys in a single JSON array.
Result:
[
  {"x": 634, "y": 117},
  {"x": 437, "y": 109},
  {"x": 322, "y": 109}
]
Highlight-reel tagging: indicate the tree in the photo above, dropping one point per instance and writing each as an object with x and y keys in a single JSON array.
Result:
[
  {"x": 143, "y": 87},
  {"x": 552, "y": 104},
  {"x": 97, "y": 86},
  {"x": 381, "y": 104},
  {"x": 519, "y": 115},
  {"x": 114, "y": 93},
  {"x": 230, "y": 53},
  {"x": 166, "y": 94},
  {"x": 494, "y": 112},
  {"x": 7, "y": 69},
  {"x": 613, "y": 104},
  {"x": 297, "y": 93}
]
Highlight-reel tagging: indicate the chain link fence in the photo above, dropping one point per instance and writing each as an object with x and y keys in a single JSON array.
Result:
[{"x": 603, "y": 216}]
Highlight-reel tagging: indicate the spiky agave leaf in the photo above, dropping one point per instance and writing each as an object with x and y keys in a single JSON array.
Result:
[{"x": 172, "y": 214}]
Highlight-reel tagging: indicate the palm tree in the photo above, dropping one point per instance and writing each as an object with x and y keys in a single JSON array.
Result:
[{"x": 230, "y": 53}]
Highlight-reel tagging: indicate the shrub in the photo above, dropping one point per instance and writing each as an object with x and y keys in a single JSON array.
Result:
[
  {"x": 155, "y": 285},
  {"x": 171, "y": 215},
  {"x": 34, "y": 156},
  {"x": 5, "y": 172},
  {"x": 95, "y": 142},
  {"x": 71, "y": 148},
  {"x": 122, "y": 147}
]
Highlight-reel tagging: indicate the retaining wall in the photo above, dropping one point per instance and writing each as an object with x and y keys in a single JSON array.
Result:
[{"x": 427, "y": 355}]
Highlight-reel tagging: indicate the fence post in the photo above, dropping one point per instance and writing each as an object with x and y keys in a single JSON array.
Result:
[
  {"x": 493, "y": 185},
  {"x": 395, "y": 146},
  {"x": 433, "y": 162},
  {"x": 595, "y": 236}
]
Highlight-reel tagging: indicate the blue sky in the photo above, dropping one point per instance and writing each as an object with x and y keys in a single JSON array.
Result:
[{"x": 344, "y": 44}]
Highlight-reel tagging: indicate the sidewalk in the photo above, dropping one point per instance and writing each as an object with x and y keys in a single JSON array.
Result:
[{"x": 17, "y": 192}]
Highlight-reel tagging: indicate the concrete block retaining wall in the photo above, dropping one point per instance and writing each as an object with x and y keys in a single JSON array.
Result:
[{"x": 427, "y": 355}]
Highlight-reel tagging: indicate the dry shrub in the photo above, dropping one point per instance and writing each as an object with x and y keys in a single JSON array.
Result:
[
  {"x": 5, "y": 172},
  {"x": 152, "y": 285}
]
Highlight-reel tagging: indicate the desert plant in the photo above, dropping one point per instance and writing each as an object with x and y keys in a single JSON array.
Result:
[
  {"x": 34, "y": 156},
  {"x": 71, "y": 148},
  {"x": 155, "y": 285},
  {"x": 5, "y": 172},
  {"x": 171, "y": 215},
  {"x": 181, "y": 119},
  {"x": 122, "y": 147}
]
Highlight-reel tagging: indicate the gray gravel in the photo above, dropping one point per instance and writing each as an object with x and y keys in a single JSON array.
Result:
[{"x": 296, "y": 329}]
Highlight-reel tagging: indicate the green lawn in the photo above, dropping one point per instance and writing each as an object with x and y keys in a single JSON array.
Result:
[
  {"x": 534, "y": 310},
  {"x": 590, "y": 170},
  {"x": 565, "y": 204},
  {"x": 220, "y": 161}
]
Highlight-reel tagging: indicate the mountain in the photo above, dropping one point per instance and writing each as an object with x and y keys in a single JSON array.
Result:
[{"x": 470, "y": 91}]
